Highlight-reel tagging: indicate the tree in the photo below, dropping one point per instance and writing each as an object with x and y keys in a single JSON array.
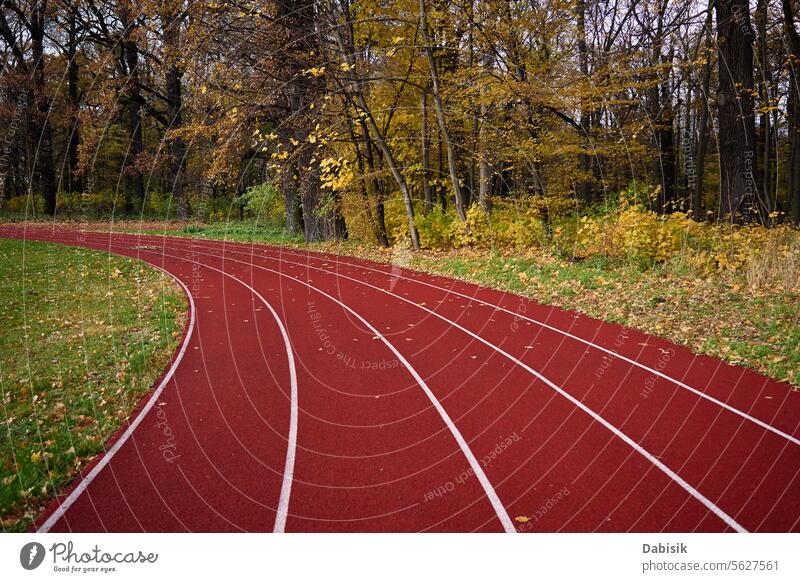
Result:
[
  {"x": 31, "y": 18},
  {"x": 438, "y": 107},
  {"x": 737, "y": 134},
  {"x": 794, "y": 109}
]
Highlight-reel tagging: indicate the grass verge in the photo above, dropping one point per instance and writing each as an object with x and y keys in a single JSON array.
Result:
[{"x": 84, "y": 336}]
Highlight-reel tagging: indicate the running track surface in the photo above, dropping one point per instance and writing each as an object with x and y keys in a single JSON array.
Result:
[{"x": 320, "y": 393}]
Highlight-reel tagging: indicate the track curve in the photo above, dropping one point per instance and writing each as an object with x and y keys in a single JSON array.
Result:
[{"x": 321, "y": 393}]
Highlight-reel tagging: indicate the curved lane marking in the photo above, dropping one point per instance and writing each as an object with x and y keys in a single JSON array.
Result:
[{"x": 710, "y": 505}]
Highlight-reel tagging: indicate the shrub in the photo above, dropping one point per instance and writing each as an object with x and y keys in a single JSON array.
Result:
[
  {"x": 263, "y": 202},
  {"x": 22, "y": 204},
  {"x": 632, "y": 233}
]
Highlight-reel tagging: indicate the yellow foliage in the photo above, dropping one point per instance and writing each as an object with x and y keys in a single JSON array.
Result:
[{"x": 633, "y": 233}]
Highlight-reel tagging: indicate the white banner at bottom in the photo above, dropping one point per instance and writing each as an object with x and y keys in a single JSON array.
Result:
[{"x": 370, "y": 557}]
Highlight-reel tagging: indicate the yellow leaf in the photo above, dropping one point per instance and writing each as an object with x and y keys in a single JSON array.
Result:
[
  {"x": 522, "y": 519},
  {"x": 36, "y": 457}
]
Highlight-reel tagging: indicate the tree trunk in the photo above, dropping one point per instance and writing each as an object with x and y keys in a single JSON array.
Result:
[
  {"x": 484, "y": 165},
  {"x": 737, "y": 135},
  {"x": 291, "y": 201},
  {"x": 171, "y": 23},
  {"x": 427, "y": 191},
  {"x": 73, "y": 180},
  {"x": 42, "y": 132},
  {"x": 452, "y": 162},
  {"x": 584, "y": 186},
  {"x": 765, "y": 80},
  {"x": 134, "y": 103},
  {"x": 794, "y": 111},
  {"x": 316, "y": 225},
  {"x": 794, "y": 141},
  {"x": 484, "y": 169},
  {"x": 440, "y": 171},
  {"x": 702, "y": 128}
]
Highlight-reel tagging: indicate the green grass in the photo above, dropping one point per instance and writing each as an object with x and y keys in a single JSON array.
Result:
[
  {"x": 233, "y": 231},
  {"x": 83, "y": 336},
  {"x": 756, "y": 328}
]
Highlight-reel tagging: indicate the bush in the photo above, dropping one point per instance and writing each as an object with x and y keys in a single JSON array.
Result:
[
  {"x": 509, "y": 224},
  {"x": 631, "y": 233},
  {"x": 263, "y": 202},
  {"x": 157, "y": 204},
  {"x": 634, "y": 234},
  {"x": 20, "y": 205}
]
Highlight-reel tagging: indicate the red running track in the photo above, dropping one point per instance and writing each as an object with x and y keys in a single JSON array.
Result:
[{"x": 320, "y": 393}]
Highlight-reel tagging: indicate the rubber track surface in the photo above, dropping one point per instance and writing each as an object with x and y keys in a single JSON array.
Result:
[{"x": 324, "y": 393}]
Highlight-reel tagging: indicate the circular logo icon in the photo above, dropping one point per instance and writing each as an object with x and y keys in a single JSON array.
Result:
[{"x": 31, "y": 555}]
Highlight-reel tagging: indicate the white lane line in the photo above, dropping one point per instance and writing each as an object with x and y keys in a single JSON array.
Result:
[
  {"x": 661, "y": 466},
  {"x": 86, "y": 481},
  {"x": 291, "y": 450},
  {"x": 291, "y": 446},
  {"x": 491, "y": 494},
  {"x": 612, "y": 353},
  {"x": 617, "y": 432}
]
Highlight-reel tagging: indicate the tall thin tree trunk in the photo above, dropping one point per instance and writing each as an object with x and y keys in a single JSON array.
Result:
[
  {"x": 171, "y": 23},
  {"x": 484, "y": 169},
  {"x": 794, "y": 110},
  {"x": 291, "y": 200},
  {"x": 584, "y": 186},
  {"x": 702, "y": 125},
  {"x": 134, "y": 102},
  {"x": 794, "y": 141},
  {"x": 452, "y": 160},
  {"x": 440, "y": 171},
  {"x": 43, "y": 133},
  {"x": 73, "y": 180},
  {"x": 765, "y": 81},
  {"x": 427, "y": 191}
]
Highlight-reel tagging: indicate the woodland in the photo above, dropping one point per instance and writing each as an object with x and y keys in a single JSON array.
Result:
[{"x": 425, "y": 123}]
